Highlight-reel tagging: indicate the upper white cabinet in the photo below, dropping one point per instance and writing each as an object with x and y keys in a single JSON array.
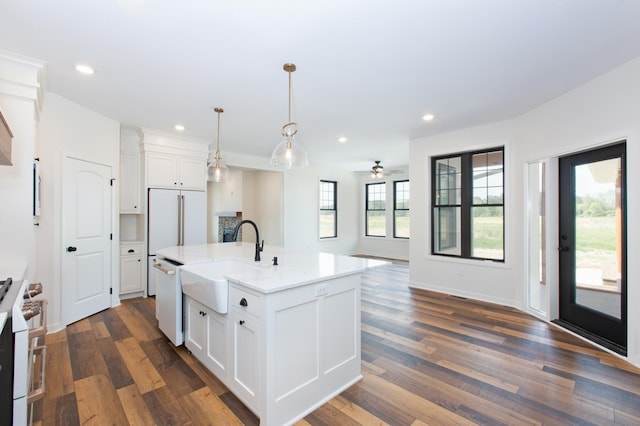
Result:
[
  {"x": 174, "y": 163},
  {"x": 162, "y": 170},
  {"x": 192, "y": 173},
  {"x": 173, "y": 171},
  {"x": 130, "y": 183}
]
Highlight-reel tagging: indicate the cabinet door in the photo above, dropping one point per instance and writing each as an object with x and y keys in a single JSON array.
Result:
[
  {"x": 162, "y": 171},
  {"x": 130, "y": 274},
  {"x": 245, "y": 351},
  {"x": 217, "y": 344},
  {"x": 193, "y": 173},
  {"x": 129, "y": 183},
  {"x": 195, "y": 328}
]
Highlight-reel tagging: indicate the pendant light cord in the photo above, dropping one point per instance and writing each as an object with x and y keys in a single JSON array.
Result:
[{"x": 219, "y": 111}]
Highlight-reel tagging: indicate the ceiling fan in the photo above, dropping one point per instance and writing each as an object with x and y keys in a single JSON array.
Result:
[{"x": 377, "y": 171}]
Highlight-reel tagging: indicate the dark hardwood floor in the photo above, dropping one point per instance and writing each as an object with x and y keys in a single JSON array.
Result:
[{"x": 428, "y": 358}]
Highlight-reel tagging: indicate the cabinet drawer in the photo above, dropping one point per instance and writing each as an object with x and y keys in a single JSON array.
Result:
[
  {"x": 130, "y": 249},
  {"x": 243, "y": 301}
]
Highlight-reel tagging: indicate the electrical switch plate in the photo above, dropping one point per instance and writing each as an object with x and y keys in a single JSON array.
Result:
[{"x": 321, "y": 290}]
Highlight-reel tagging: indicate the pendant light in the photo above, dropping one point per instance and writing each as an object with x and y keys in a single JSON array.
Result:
[
  {"x": 217, "y": 171},
  {"x": 289, "y": 154}
]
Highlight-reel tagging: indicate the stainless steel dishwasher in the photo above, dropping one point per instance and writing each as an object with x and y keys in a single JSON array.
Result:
[{"x": 169, "y": 299}]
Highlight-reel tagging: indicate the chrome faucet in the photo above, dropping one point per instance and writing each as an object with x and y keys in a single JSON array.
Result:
[{"x": 258, "y": 246}]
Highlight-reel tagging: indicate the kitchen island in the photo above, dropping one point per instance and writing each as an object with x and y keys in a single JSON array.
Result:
[{"x": 290, "y": 340}]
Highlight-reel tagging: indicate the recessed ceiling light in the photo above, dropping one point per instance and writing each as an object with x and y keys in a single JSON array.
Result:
[
  {"x": 179, "y": 127},
  {"x": 84, "y": 69},
  {"x": 342, "y": 139},
  {"x": 428, "y": 117}
]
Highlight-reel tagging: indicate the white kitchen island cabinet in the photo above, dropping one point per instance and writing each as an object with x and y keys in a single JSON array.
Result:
[
  {"x": 289, "y": 352},
  {"x": 292, "y": 331},
  {"x": 206, "y": 336}
]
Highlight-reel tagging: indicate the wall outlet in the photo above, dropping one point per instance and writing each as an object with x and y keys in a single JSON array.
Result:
[{"x": 321, "y": 290}]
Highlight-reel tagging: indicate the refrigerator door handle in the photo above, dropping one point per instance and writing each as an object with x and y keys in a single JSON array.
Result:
[
  {"x": 179, "y": 220},
  {"x": 182, "y": 221}
]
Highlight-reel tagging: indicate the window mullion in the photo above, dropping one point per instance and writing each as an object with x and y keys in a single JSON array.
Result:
[{"x": 467, "y": 203}]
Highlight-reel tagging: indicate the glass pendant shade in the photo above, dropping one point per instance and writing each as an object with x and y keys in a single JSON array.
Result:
[
  {"x": 217, "y": 171},
  {"x": 289, "y": 154}
]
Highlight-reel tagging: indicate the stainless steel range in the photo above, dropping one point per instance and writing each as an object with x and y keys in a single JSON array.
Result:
[{"x": 22, "y": 354}]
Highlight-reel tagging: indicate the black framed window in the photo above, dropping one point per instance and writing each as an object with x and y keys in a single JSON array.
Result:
[
  {"x": 375, "y": 224},
  {"x": 467, "y": 195},
  {"x": 328, "y": 209},
  {"x": 401, "y": 209}
]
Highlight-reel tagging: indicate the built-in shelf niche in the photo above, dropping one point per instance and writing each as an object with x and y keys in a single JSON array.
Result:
[{"x": 131, "y": 227}]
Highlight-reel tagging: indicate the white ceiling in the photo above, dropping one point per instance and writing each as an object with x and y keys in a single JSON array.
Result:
[{"x": 367, "y": 69}]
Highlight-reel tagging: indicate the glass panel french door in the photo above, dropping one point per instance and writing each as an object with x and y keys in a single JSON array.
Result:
[{"x": 592, "y": 245}]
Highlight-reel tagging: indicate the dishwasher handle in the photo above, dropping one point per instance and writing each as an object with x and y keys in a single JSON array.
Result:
[{"x": 165, "y": 270}]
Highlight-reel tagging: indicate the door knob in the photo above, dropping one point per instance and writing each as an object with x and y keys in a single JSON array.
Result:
[{"x": 71, "y": 248}]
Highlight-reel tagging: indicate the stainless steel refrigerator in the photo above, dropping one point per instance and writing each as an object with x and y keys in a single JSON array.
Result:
[{"x": 175, "y": 217}]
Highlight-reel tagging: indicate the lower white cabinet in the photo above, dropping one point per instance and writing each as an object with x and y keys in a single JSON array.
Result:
[
  {"x": 285, "y": 353},
  {"x": 244, "y": 346},
  {"x": 206, "y": 336},
  {"x": 131, "y": 268}
]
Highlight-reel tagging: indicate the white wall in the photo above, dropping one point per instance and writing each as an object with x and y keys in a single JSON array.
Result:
[
  {"x": 18, "y": 234},
  {"x": 604, "y": 110},
  {"x": 388, "y": 246},
  {"x": 263, "y": 202},
  {"x": 68, "y": 129},
  {"x": 483, "y": 280},
  {"x": 301, "y": 210}
]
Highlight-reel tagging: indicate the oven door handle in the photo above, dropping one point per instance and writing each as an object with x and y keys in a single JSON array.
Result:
[
  {"x": 165, "y": 270},
  {"x": 37, "y": 380}
]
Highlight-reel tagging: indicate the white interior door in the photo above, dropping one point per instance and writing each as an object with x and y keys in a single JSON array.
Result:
[{"x": 86, "y": 231}]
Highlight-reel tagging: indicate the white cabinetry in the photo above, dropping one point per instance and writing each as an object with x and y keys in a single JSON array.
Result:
[
  {"x": 131, "y": 268},
  {"x": 244, "y": 346},
  {"x": 206, "y": 336},
  {"x": 130, "y": 183},
  {"x": 174, "y": 171},
  {"x": 288, "y": 352}
]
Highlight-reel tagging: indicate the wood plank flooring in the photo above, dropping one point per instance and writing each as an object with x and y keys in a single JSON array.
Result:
[{"x": 428, "y": 358}]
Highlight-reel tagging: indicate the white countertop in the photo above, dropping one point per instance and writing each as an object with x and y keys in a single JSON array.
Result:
[{"x": 293, "y": 270}]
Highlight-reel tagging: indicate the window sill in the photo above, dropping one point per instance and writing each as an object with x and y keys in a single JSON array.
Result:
[{"x": 464, "y": 261}]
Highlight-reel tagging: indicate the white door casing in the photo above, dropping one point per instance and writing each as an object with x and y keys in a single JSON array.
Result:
[{"x": 86, "y": 233}]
